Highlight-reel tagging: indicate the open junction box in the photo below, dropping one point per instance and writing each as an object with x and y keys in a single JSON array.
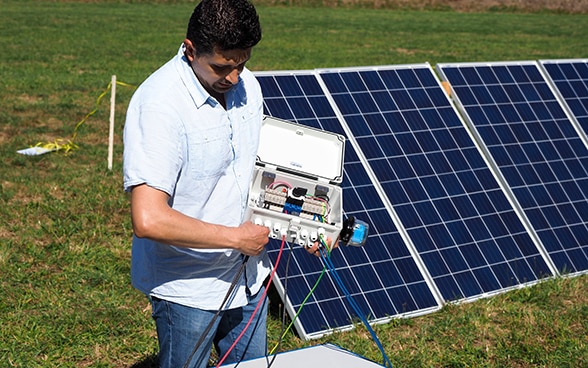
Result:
[{"x": 295, "y": 190}]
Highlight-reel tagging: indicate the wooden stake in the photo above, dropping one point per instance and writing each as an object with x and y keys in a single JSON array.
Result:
[{"x": 111, "y": 130}]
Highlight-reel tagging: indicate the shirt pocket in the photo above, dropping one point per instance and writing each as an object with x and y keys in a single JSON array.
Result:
[
  {"x": 210, "y": 152},
  {"x": 248, "y": 134}
]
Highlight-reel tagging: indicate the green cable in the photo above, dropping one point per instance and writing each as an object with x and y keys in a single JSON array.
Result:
[{"x": 301, "y": 305}]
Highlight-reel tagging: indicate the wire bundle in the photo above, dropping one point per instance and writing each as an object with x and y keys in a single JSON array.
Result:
[
  {"x": 261, "y": 301},
  {"x": 325, "y": 256},
  {"x": 328, "y": 265}
]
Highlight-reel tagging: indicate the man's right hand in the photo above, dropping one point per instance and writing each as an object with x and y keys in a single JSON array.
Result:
[{"x": 253, "y": 238}]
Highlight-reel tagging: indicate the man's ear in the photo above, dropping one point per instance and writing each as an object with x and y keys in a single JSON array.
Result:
[{"x": 190, "y": 51}]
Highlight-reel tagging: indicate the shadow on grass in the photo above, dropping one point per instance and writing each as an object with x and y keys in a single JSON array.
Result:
[{"x": 147, "y": 362}]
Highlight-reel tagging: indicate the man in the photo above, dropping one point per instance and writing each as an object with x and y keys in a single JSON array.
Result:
[{"x": 191, "y": 139}]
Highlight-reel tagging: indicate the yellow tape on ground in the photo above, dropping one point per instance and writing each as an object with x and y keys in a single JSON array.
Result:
[{"x": 69, "y": 145}]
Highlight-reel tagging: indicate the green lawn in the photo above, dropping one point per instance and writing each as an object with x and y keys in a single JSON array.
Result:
[{"x": 64, "y": 224}]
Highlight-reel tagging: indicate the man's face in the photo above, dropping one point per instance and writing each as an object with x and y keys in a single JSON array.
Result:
[{"x": 217, "y": 72}]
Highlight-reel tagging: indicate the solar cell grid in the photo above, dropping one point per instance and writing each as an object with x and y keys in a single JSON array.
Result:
[
  {"x": 534, "y": 144},
  {"x": 425, "y": 160},
  {"x": 383, "y": 276},
  {"x": 570, "y": 77}
]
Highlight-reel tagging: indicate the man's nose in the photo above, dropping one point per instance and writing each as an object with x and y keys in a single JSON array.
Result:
[{"x": 233, "y": 76}]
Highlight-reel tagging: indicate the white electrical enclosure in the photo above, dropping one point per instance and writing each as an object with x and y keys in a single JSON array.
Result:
[{"x": 295, "y": 190}]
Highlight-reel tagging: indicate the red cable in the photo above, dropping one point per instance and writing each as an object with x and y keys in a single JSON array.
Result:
[{"x": 258, "y": 304}]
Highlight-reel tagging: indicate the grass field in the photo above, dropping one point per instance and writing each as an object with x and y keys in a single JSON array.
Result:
[{"x": 64, "y": 223}]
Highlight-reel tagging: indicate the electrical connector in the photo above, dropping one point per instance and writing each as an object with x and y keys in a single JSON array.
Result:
[
  {"x": 276, "y": 228},
  {"x": 321, "y": 231},
  {"x": 294, "y": 229},
  {"x": 283, "y": 232},
  {"x": 304, "y": 234}
]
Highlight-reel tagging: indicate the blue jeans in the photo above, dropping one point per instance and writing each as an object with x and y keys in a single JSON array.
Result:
[{"x": 179, "y": 328}]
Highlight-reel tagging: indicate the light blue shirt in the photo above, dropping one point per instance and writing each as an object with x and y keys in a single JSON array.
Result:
[{"x": 179, "y": 139}]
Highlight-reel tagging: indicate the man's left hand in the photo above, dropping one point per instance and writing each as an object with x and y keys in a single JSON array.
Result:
[{"x": 315, "y": 248}]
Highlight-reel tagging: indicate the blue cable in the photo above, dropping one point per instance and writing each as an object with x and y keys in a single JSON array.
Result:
[{"x": 354, "y": 304}]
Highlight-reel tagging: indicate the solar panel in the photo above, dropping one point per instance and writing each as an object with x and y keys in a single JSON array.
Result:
[
  {"x": 382, "y": 277},
  {"x": 514, "y": 111},
  {"x": 453, "y": 209},
  {"x": 570, "y": 78}
]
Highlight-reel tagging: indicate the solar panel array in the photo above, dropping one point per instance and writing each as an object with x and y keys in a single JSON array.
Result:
[
  {"x": 457, "y": 209},
  {"x": 452, "y": 207},
  {"x": 536, "y": 148}
]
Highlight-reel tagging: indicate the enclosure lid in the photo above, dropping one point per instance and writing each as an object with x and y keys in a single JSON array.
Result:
[{"x": 301, "y": 150}]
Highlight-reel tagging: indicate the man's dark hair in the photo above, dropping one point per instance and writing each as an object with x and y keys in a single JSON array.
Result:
[{"x": 226, "y": 24}]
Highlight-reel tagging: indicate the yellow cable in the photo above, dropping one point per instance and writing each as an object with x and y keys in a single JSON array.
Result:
[{"x": 69, "y": 145}]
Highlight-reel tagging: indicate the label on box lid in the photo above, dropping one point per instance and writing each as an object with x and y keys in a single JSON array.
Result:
[{"x": 301, "y": 150}]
